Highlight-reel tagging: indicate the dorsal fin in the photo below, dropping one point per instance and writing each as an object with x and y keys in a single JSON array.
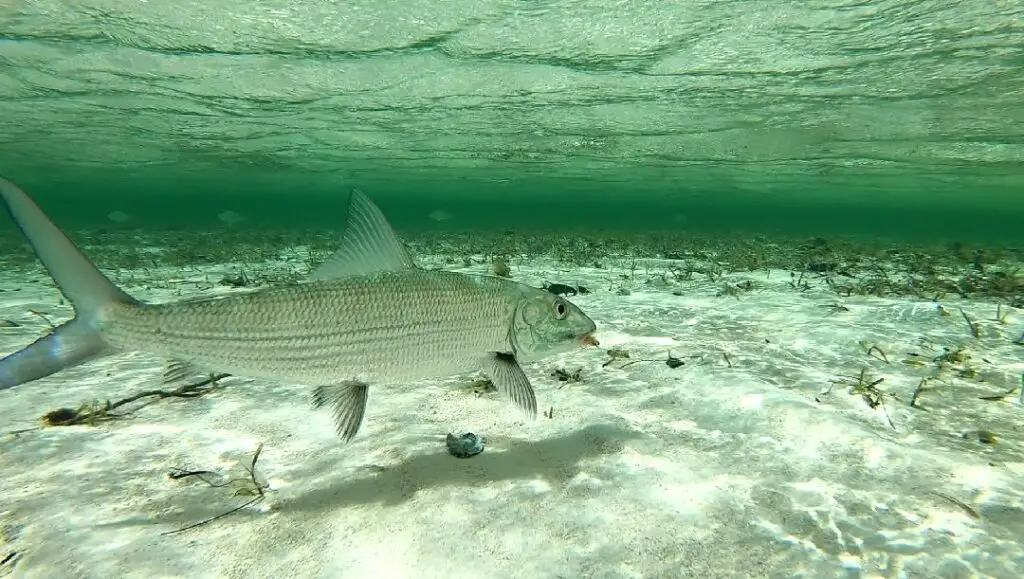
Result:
[{"x": 369, "y": 244}]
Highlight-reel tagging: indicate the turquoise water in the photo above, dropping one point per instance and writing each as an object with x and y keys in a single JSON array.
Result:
[
  {"x": 878, "y": 118},
  {"x": 798, "y": 226}
]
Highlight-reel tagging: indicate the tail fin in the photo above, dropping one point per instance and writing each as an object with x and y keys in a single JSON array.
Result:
[{"x": 87, "y": 289}]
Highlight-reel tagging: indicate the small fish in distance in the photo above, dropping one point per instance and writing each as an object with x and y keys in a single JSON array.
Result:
[{"x": 367, "y": 316}]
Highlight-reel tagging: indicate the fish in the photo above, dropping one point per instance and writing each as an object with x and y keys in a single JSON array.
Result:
[
  {"x": 119, "y": 217},
  {"x": 439, "y": 215},
  {"x": 230, "y": 218},
  {"x": 367, "y": 316}
]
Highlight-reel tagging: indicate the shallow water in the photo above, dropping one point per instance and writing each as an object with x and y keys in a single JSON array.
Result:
[{"x": 800, "y": 221}]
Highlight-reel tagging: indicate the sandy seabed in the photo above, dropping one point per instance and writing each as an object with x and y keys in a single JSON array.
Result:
[{"x": 771, "y": 451}]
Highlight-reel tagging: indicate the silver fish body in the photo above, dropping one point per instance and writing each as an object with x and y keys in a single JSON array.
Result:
[{"x": 383, "y": 328}]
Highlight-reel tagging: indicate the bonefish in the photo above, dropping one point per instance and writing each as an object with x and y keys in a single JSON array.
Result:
[{"x": 368, "y": 316}]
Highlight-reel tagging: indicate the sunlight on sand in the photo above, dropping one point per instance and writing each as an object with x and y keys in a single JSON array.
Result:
[{"x": 743, "y": 461}]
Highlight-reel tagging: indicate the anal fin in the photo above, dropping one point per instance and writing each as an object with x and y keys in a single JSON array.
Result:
[
  {"x": 348, "y": 405},
  {"x": 508, "y": 377}
]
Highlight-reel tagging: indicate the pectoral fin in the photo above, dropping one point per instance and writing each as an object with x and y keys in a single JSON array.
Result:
[
  {"x": 508, "y": 377},
  {"x": 348, "y": 405},
  {"x": 178, "y": 370}
]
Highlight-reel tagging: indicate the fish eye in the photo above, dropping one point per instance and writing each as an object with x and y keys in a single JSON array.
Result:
[{"x": 560, "y": 310}]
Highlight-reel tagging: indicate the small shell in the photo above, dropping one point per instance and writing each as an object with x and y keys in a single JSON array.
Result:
[
  {"x": 983, "y": 436},
  {"x": 465, "y": 445}
]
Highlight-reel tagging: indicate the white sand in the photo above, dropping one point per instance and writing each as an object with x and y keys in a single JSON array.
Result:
[{"x": 700, "y": 471}]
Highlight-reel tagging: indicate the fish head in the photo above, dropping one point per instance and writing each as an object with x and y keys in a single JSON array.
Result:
[{"x": 545, "y": 324}]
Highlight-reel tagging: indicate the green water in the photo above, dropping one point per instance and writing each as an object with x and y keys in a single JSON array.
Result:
[{"x": 895, "y": 119}]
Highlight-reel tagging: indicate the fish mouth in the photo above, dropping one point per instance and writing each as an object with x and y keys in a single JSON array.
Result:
[{"x": 588, "y": 339}]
